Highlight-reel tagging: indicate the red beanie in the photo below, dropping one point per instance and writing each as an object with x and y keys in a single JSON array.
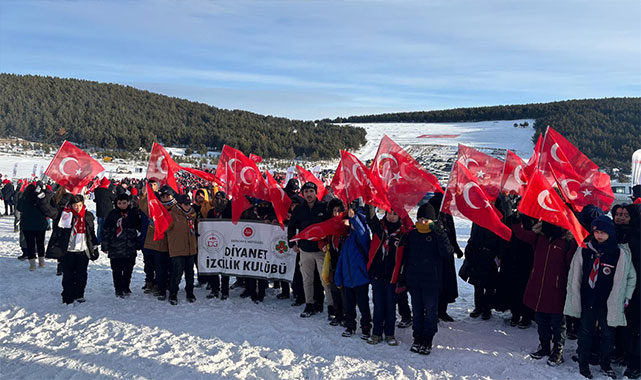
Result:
[
  {"x": 134, "y": 191},
  {"x": 104, "y": 182}
]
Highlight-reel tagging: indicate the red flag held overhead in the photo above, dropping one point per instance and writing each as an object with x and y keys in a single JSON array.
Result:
[
  {"x": 72, "y": 168},
  {"x": 513, "y": 179},
  {"x": 279, "y": 199},
  {"x": 484, "y": 167},
  {"x": 305, "y": 176},
  {"x": 162, "y": 167},
  {"x": 158, "y": 214}
]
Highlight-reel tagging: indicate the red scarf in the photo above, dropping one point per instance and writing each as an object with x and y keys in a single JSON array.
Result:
[
  {"x": 79, "y": 225},
  {"x": 123, "y": 215},
  {"x": 594, "y": 273}
]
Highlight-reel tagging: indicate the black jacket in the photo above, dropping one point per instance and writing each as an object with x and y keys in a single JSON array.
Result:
[
  {"x": 104, "y": 199},
  {"x": 423, "y": 259},
  {"x": 60, "y": 236},
  {"x": 127, "y": 242},
  {"x": 8, "y": 192},
  {"x": 302, "y": 217}
]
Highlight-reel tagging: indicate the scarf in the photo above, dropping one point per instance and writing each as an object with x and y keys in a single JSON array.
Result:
[
  {"x": 423, "y": 228},
  {"x": 387, "y": 236},
  {"x": 79, "y": 225},
  {"x": 123, "y": 215}
]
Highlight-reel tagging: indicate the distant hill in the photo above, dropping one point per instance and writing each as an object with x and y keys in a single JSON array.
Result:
[
  {"x": 606, "y": 130},
  {"x": 110, "y": 116}
]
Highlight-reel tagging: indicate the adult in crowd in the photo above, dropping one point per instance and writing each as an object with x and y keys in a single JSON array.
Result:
[
  {"x": 221, "y": 210},
  {"x": 34, "y": 208},
  {"x": 104, "y": 198},
  {"x": 8, "y": 195},
  {"x": 183, "y": 247}
]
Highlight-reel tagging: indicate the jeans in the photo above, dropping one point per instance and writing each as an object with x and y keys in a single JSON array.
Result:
[
  {"x": 163, "y": 270},
  {"x": 483, "y": 298},
  {"x": 180, "y": 264},
  {"x": 425, "y": 308},
  {"x": 219, "y": 283},
  {"x": 74, "y": 276},
  {"x": 353, "y": 297},
  {"x": 148, "y": 258},
  {"x": 551, "y": 327},
  {"x": 589, "y": 319},
  {"x": 404, "y": 306},
  {"x": 121, "y": 269},
  {"x": 101, "y": 222},
  {"x": 384, "y": 295}
]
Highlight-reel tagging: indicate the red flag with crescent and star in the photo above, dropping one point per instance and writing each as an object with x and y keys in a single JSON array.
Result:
[
  {"x": 338, "y": 184},
  {"x": 72, "y": 168},
  {"x": 158, "y": 214},
  {"x": 541, "y": 201},
  {"x": 578, "y": 177},
  {"x": 464, "y": 197},
  {"x": 533, "y": 162},
  {"x": 319, "y": 231},
  {"x": 306, "y": 176},
  {"x": 484, "y": 167},
  {"x": 513, "y": 179},
  {"x": 279, "y": 199},
  {"x": 402, "y": 179},
  {"x": 162, "y": 167},
  {"x": 358, "y": 183}
]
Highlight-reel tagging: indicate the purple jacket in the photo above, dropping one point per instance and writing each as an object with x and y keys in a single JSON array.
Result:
[{"x": 546, "y": 288}]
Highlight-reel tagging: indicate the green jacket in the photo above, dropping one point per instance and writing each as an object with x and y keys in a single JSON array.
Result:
[{"x": 624, "y": 282}]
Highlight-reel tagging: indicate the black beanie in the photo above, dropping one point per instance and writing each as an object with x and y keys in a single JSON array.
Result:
[
  {"x": 426, "y": 211},
  {"x": 309, "y": 185}
]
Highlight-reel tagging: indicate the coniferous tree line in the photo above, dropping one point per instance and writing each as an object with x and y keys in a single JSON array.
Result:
[
  {"x": 606, "y": 130},
  {"x": 110, "y": 116}
]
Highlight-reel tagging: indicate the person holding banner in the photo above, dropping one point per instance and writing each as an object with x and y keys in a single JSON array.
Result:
[
  {"x": 424, "y": 249},
  {"x": 221, "y": 210},
  {"x": 183, "y": 247},
  {"x": 311, "y": 258}
]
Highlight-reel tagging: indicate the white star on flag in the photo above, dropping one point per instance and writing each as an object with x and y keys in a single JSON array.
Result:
[
  {"x": 480, "y": 174},
  {"x": 79, "y": 171},
  {"x": 586, "y": 193}
]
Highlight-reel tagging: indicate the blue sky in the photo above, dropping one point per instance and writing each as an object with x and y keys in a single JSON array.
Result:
[{"x": 316, "y": 59}]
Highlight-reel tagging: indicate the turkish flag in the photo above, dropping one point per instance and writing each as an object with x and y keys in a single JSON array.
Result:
[
  {"x": 279, "y": 199},
  {"x": 402, "y": 180},
  {"x": 486, "y": 168},
  {"x": 305, "y": 176},
  {"x": 158, "y": 214},
  {"x": 338, "y": 184},
  {"x": 162, "y": 167},
  {"x": 578, "y": 177},
  {"x": 513, "y": 179},
  {"x": 533, "y": 162},
  {"x": 465, "y": 197},
  {"x": 318, "y": 231},
  {"x": 256, "y": 158},
  {"x": 358, "y": 183},
  {"x": 202, "y": 174},
  {"x": 541, "y": 201},
  {"x": 72, "y": 168}
]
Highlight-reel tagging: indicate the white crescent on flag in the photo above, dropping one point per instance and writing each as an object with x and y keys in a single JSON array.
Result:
[
  {"x": 159, "y": 165},
  {"x": 466, "y": 194},
  {"x": 61, "y": 167},
  {"x": 555, "y": 155},
  {"x": 242, "y": 175},
  {"x": 542, "y": 198}
]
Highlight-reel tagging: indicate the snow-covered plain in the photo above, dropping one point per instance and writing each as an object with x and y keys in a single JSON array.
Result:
[{"x": 143, "y": 338}]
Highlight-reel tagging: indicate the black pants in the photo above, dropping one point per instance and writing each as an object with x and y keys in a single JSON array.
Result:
[
  {"x": 425, "y": 307},
  {"x": 483, "y": 297},
  {"x": 384, "y": 294},
  {"x": 180, "y": 264},
  {"x": 250, "y": 286},
  {"x": 589, "y": 319},
  {"x": 297, "y": 283},
  {"x": 352, "y": 297},
  {"x": 8, "y": 207},
  {"x": 404, "y": 306},
  {"x": 74, "y": 276},
  {"x": 551, "y": 328},
  {"x": 35, "y": 239},
  {"x": 337, "y": 299},
  {"x": 121, "y": 269},
  {"x": 163, "y": 270},
  {"x": 149, "y": 265},
  {"x": 219, "y": 283}
]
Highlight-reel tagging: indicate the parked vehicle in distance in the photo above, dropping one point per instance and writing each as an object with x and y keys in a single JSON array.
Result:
[{"x": 123, "y": 170}]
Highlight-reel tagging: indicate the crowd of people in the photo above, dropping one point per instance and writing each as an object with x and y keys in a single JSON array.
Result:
[{"x": 588, "y": 292}]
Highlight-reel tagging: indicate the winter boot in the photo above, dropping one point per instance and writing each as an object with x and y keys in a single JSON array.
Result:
[
  {"x": 162, "y": 296},
  {"x": 404, "y": 323},
  {"x": 191, "y": 298},
  {"x": 632, "y": 373},
  {"x": 59, "y": 270},
  {"x": 32, "y": 264},
  {"x": 476, "y": 313},
  {"x": 310, "y": 310},
  {"x": 584, "y": 368},
  {"x": 556, "y": 357},
  {"x": 347, "y": 333},
  {"x": 41, "y": 262},
  {"x": 23, "y": 257},
  {"x": 375, "y": 339},
  {"x": 173, "y": 299},
  {"x": 416, "y": 345},
  {"x": 609, "y": 372},
  {"x": 391, "y": 341},
  {"x": 426, "y": 347},
  {"x": 149, "y": 287},
  {"x": 365, "y": 332},
  {"x": 543, "y": 350}
]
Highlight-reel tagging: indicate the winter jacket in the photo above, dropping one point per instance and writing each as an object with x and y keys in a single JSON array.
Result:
[
  {"x": 622, "y": 287},
  {"x": 546, "y": 288},
  {"x": 60, "y": 236},
  {"x": 384, "y": 267},
  {"x": 8, "y": 192},
  {"x": 302, "y": 217},
  {"x": 156, "y": 245},
  {"x": 33, "y": 218},
  {"x": 483, "y": 247},
  {"x": 351, "y": 268},
  {"x": 181, "y": 234},
  {"x": 423, "y": 255},
  {"x": 120, "y": 237},
  {"x": 104, "y": 199}
]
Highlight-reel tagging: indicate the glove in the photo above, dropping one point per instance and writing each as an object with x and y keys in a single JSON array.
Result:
[
  {"x": 38, "y": 189},
  {"x": 459, "y": 253},
  {"x": 41, "y": 195}
]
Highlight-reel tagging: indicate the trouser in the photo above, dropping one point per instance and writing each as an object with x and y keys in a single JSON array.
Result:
[
  {"x": 352, "y": 297},
  {"x": 311, "y": 262},
  {"x": 337, "y": 299},
  {"x": 633, "y": 335},
  {"x": 148, "y": 258},
  {"x": 523, "y": 312},
  {"x": 483, "y": 298},
  {"x": 425, "y": 308},
  {"x": 590, "y": 318},
  {"x": 163, "y": 270},
  {"x": 404, "y": 306},
  {"x": 180, "y": 264},
  {"x": 101, "y": 222},
  {"x": 297, "y": 282},
  {"x": 384, "y": 295},
  {"x": 74, "y": 276},
  {"x": 250, "y": 286},
  {"x": 219, "y": 283},
  {"x": 35, "y": 239},
  {"x": 551, "y": 328},
  {"x": 121, "y": 269},
  {"x": 8, "y": 207}
]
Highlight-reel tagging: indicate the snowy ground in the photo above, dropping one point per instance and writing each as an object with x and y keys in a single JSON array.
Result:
[{"x": 141, "y": 337}]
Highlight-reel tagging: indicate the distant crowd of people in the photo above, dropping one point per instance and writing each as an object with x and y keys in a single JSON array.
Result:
[{"x": 589, "y": 292}]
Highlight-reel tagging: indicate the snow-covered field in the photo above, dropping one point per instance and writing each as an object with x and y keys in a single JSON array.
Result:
[{"x": 143, "y": 338}]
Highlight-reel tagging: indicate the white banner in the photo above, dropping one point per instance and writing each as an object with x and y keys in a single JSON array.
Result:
[
  {"x": 248, "y": 249},
  {"x": 636, "y": 168}
]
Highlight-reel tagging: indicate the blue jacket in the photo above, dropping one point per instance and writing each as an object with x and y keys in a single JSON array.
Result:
[{"x": 351, "y": 269}]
